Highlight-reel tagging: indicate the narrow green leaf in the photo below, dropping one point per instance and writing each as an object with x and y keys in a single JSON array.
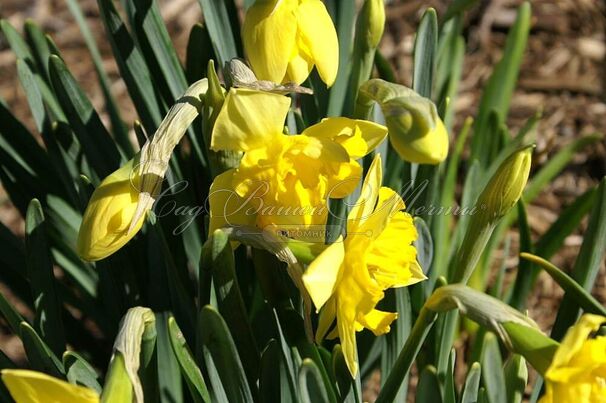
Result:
[
  {"x": 516, "y": 376},
  {"x": 96, "y": 142},
  {"x": 189, "y": 369},
  {"x": 39, "y": 353},
  {"x": 469, "y": 394},
  {"x": 449, "y": 382},
  {"x": 169, "y": 371},
  {"x": 555, "y": 165},
  {"x": 199, "y": 52},
  {"x": 39, "y": 46},
  {"x": 79, "y": 372},
  {"x": 157, "y": 49},
  {"x": 274, "y": 385},
  {"x": 492, "y": 370},
  {"x": 311, "y": 385},
  {"x": 118, "y": 128},
  {"x": 227, "y": 378},
  {"x": 217, "y": 21},
  {"x": 345, "y": 17},
  {"x": 428, "y": 389},
  {"x": 131, "y": 64},
  {"x": 499, "y": 89},
  {"x": 525, "y": 275},
  {"x": 12, "y": 317},
  {"x": 425, "y": 52},
  {"x": 48, "y": 319},
  {"x": 588, "y": 262}
]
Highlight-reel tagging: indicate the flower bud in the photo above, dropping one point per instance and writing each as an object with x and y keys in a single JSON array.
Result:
[
  {"x": 108, "y": 216},
  {"x": 371, "y": 22},
  {"x": 416, "y": 131},
  {"x": 507, "y": 184}
]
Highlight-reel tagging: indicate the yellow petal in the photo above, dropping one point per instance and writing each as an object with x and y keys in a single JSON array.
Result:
[
  {"x": 369, "y": 194},
  {"x": 226, "y": 206},
  {"x": 326, "y": 318},
  {"x": 269, "y": 34},
  {"x": 575, "y": 338},
  {"x": 318, "y": 32},
  {"x": 107, "y": 218},
  {"x": 378, "y": 321},
  {"x": 322, "y": 275},
  {"x": 249, "y": 119},
  {"x": 299, "y": 67},
  {"x": 358, "y": 137},
  {"x": 35, "y": 387}
]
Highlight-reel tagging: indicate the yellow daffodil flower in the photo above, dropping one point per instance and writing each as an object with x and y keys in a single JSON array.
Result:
[
  {"x": 283, "y": 180},
  {"x": 284, "y": 39},
  {"x": 577, "y": 373},
  {"x": 35, "y": 387},
  {"x": 348, "y": 278},
  {"x": 107, "y": 218}
]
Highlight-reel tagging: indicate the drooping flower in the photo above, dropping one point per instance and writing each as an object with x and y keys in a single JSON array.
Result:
[
  {"x": 577, "y": 373},
  {"x": 283, "y": 180},
  {"x": 348, "y": 278},
  {"x": 35, "y": 387},
  {"x": 284, "y": 39},
  {"x": 118, "y": 206}
]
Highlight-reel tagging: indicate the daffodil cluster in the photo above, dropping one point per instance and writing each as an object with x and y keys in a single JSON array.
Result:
[{"x": 283, "y": 182}]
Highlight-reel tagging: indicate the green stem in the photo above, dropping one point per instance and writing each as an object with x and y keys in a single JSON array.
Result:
[{"x": 407, "y": 356}]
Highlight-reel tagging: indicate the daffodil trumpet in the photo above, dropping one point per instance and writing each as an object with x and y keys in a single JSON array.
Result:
[
  {"x": 285, "y": 39},
  {"x": 284, "y": 181},
  {"x": 348, "y": 279}
]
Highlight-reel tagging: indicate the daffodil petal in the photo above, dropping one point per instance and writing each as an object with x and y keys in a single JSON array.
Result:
[
  {"x": 249, "y": 119},
  {"x": 369, "y": 194},
  {"x": 322, "y": 275},
  {"x": 35, "y": 387},
  {"x": 269, "y": 34},
  {"x": 226, "y": 206},
  {"x": 319, "y": 34},
  {"x": 377, "y": 321}
]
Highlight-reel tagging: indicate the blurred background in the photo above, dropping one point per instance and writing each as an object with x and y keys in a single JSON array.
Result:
[{"x": 563, "y": 75}]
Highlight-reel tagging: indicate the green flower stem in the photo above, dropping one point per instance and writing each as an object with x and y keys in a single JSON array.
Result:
[{"x": 407, "y": 356}]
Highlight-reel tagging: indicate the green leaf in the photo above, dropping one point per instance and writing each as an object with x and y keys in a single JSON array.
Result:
[
  {"x": 524, "y": 277},
  {"x": 469, "y": 394},
  {"x": 449, "y": 382},
  {"x": 568, "y": 220},
  {"x": 39, "y": 354},
  {"x": 133, "y": 69},
  {"x": 12, "y": 317},
  {"x": 555, "y": 165},
  {"x": 345, "y": 17},
  {"x": 169, "y": 367},
  {"x": 425, "y": 52},
  {"x": 311, "y": 385},
  {"x": 573, "y": 290},
  {"x": 40, "y": 49},
  {"x": 79, "y": 372},
  {"x": 189, "y": 369},
  {"x": 48, "y": 318},
  {"x": 199, "y": 52},
  {"x": 225, "y": 372},
  {"x": 347, "y": 387},
  {"x": 217, "y": 21},
  {"x": 274, "y": 381},
  {"x": 96, "y": 142},
  {"x": 218, "y": 257},
  {"x": 492, "y": 370},
  {"x": 118, "y": 128},
  {"x": 588, "y": 262},
  {"x": 157, "y": 49},
  {"x": 516, "y": 376},
  {"x": 428, "y": 388},
  {"x": 499, "y": 89}
]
